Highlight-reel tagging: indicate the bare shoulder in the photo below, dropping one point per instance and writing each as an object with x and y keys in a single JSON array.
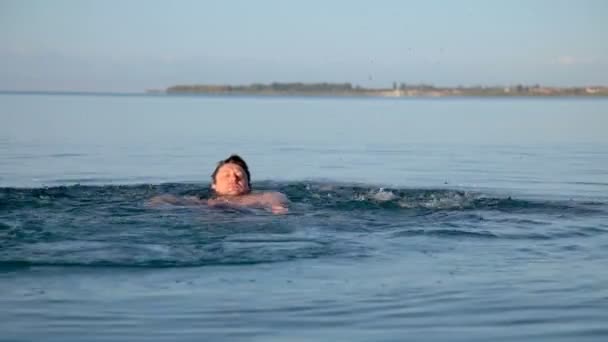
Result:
[
  {"x": 275, "y": 196},
  {"x": 263, "y": 198},
  {"x": 271, "y": 200},
  {"x": 274, "y": 201}
]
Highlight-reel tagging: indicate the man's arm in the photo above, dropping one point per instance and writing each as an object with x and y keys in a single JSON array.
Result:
[{"x": 170, "y": 199}]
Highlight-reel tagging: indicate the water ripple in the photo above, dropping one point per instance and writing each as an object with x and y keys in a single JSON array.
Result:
[{"x": 112, "y": 226}]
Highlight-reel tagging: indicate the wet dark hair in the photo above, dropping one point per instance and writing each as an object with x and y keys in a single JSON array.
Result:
[{"x": 233, "y": 159}]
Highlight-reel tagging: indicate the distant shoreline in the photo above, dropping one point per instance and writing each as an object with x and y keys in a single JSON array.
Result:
[
  {"x": 401, "y": 90},
  {"x": 373, "y": 94}
]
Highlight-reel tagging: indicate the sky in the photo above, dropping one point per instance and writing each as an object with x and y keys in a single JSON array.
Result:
[{"x": 131, "y": 46}]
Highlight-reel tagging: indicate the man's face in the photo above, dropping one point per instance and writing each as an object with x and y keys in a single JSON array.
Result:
[{"x": 231, "y": 180}]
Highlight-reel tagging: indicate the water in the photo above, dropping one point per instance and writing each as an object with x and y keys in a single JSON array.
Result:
[{"x": 442, "y": 219}]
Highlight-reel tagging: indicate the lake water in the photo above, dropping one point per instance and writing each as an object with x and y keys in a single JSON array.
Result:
[{"x": 410, "y": 219}]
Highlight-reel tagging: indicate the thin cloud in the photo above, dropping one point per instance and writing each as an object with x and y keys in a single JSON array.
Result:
[
  {"x": 566, "y": 60},
  {"x": 572, "y": 60}
]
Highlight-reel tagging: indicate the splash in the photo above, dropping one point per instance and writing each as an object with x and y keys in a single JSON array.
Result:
[{"x": 111, "y": 226}]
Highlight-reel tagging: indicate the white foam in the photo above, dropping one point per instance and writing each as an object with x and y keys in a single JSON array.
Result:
[
  {"x": 383, "y": 195},
  {"x": 444, "y": 201}
]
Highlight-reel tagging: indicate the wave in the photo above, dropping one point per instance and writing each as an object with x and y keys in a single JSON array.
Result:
[
  {"x": 109, "y": 254},
  {"x": 317, "y": 196},
  {"x": 112, "y": 225},
  {"x": 348, "y": 197}
]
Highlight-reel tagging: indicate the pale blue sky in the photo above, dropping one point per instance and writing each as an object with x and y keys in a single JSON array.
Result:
[{"x": 135, "y": 45}]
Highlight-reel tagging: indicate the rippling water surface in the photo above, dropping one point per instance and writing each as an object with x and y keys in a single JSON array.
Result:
[{"x": 417, "y": 219}]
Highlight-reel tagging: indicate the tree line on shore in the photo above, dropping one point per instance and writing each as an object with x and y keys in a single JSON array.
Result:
[{"x": 397, "y": 89}]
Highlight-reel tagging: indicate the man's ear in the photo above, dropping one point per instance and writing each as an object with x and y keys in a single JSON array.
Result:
[{"x": 213, "y": 186}]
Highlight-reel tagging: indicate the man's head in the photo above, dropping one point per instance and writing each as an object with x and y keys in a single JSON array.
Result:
[{"x": 231, "y": 177}]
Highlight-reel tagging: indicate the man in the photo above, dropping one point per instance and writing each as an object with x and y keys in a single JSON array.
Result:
[
  {"x": 231, "y": 177},
  {"x": 231, "y": 183}
]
